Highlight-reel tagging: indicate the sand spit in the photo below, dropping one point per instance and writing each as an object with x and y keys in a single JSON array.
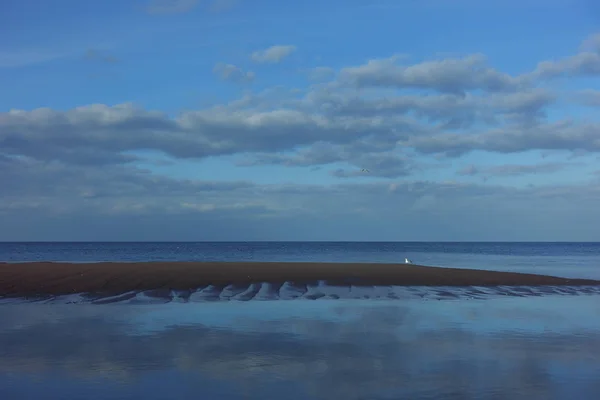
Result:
[{"x": 161, "y": 282}]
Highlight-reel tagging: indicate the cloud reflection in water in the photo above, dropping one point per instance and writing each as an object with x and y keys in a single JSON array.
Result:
[{"x": 539, "y": 348}]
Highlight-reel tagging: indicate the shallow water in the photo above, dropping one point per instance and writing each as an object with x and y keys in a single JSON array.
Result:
[
  {"x": 498, "y": 348},
  {"x": 265, "y": 291}
]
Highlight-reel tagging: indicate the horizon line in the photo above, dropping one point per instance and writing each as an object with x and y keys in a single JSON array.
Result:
[{"x": 294, "y": 241}]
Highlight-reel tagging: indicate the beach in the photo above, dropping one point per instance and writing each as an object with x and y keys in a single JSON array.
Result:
[{"x": 111, "y": 278}]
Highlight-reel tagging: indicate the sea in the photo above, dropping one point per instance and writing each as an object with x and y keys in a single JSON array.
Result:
[
  {"x": 577, "y": 260},
  {"x": 488, "y": 347}
]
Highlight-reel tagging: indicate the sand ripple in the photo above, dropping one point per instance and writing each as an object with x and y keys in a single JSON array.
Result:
[{"x": 314, "y": 291}]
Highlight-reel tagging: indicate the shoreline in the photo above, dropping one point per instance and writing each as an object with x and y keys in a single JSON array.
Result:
[{"x": 113, "y": 278}]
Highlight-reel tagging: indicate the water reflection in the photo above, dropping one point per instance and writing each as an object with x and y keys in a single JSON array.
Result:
[{"x": 514, "y": 348}]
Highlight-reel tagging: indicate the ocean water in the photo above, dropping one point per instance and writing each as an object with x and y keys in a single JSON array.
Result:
[
  {"x": 577, "y": 260},
  {"x": 427, "y": 343},
  {"x": 512, "y": 348}
]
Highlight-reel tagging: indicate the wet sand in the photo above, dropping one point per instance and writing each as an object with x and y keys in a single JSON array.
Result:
[{"x": 48, "y": 278}]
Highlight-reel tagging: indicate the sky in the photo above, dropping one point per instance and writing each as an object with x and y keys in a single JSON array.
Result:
[{"x": 349, "y": 120}]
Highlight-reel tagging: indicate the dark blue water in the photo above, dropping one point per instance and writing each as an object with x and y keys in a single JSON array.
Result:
[
  {"x": 277, "y": 251},
  {"x": 572, "y": 259}
]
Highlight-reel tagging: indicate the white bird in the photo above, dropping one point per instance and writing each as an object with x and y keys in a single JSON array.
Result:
[{"x": 407, "y": 261}]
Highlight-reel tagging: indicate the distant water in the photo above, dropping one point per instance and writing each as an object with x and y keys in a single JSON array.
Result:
[
  {"x": 512, "y": 348},
  {"x": 577, "y": 260}
]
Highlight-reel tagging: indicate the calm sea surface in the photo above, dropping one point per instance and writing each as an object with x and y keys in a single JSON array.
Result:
[
  {"x": 514, "y": 348},
  {"x": 563, "y": 259}
]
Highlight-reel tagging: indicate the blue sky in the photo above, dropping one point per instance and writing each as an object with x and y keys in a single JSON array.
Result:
[{"x": 254, "y": 120}]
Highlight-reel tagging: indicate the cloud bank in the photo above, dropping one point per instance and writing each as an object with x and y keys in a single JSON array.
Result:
[{"x": 406, "y": 123}]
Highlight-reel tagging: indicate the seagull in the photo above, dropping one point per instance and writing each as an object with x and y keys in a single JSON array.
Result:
[
  {"x": 407, "y": 261},
  {"x": 365, "y": 170}
]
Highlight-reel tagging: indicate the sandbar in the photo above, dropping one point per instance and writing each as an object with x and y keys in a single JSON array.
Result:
[{"x": 52, "y": 278}]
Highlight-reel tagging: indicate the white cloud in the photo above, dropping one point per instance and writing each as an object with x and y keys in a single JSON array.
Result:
[
  {"x": 229, "y": 72},
  {"x": 584, "y": 63},
  {"x": 564, "y": 135},
  {"x": 273, "y": 54},
  {"x": 320, "y": 73},
  {"x": 591, "y": 43},
  {"x": 516, "y": 169},
  {"x": 453, "y": 75},
  {"x": 589, "y": 97}
]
